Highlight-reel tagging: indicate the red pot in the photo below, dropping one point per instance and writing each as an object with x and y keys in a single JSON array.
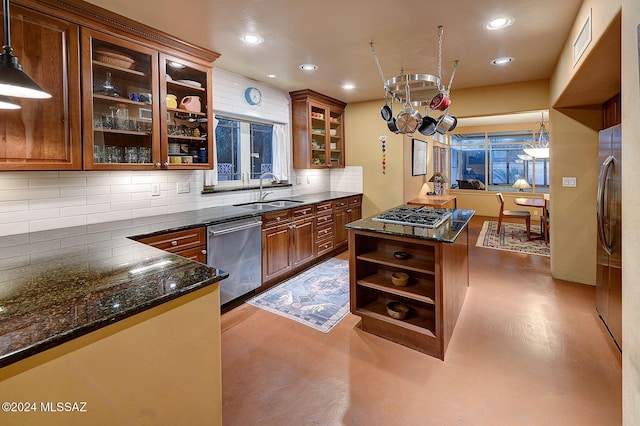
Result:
[{"x": 440, "y": 102}]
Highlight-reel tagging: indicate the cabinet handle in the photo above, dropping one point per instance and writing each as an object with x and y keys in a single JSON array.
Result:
[
  {"x": 174, "y": 243},
  {"x": 203, "y": 252},
  {"x": 158, "y": 165},
  {"x": 165, "y": 164},
  {"x": 348, "y": 210}
]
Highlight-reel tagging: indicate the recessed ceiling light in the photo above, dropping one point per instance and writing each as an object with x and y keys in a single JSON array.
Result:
[
  {"x": 308, "y": 67},
  {"x": 499, "y": 23},
  {"x": 348, "y": 86},
  {"x": 252, "y": 38},
  {"x": 502, "y": 61},
  {"x": 271, "y": 75}
]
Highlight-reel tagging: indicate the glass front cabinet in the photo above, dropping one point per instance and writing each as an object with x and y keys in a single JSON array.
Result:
[
  {"x": 143, "y": 109},
  {"x": 318, "y": 130}
]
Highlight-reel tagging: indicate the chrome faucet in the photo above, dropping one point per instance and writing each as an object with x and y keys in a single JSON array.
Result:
[{"x": 263, "y": 195}]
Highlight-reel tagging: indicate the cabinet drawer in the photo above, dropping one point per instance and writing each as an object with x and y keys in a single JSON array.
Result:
[
  {"x": 340, "y": 204},
  {"x": 323, "y": 247},
  {"x": 274, "y": 218},
  {"x": 324, "y": 219},
  {"x": 199, "y": 254},
  {"x": 302, "y": 212},
  {"x": 355, "y": 201},
  {"x": 324, "y": 207},
  {"x": 326, "y": 231},
  {"x": 177, "y": 241}
]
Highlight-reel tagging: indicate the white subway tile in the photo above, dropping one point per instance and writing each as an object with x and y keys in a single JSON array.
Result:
[
  {"x": 14, "y": 228},
  {"x": 108, "y": 217},
  {"x": 56, "y": 182},
  {"x": 108, "y": 180},
  {"x": 84, "y": 210},
  {"x": 85, "y": 190},
  {"x": 117, "y": 189},
  {"x": 129, "y": 205},
  {"x": 14, "y": 206},
  {"x": 110, "y": 198},
  {"x": 150, "y": 211},
  {"x": 61, "y": 222},
  {"x": 28, "y": 194},
  {"x": 57, "y": 203}
]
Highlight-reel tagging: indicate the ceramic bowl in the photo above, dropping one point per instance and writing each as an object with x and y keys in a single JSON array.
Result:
[
  {"x": 397, "y": 310},
  {"x": 399, "y": 279}
]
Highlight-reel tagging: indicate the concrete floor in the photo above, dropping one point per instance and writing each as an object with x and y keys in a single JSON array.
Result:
[{"x": 527, "y": 350}]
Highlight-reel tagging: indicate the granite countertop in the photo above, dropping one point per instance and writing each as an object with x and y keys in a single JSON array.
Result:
[
  {"x": 60, "y": 284},
  {"x": 446, "y": 233}
]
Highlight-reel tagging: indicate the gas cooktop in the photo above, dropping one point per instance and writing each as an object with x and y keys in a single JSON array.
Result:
[{"x": 423, "y": 216}]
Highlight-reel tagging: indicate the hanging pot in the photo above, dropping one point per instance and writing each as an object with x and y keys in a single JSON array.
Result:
[
  {"x": 391, "y": 124},
  {"x": 427, "y": 126},
  {"x": 446, "y": 123},
  {"x": 408, "y": 120},
  {"x": 440, "y": 101},
  {"x": 386, "y": 111}
]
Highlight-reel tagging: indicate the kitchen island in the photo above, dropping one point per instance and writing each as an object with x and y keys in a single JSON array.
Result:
[{"x": 436, "y": 263}]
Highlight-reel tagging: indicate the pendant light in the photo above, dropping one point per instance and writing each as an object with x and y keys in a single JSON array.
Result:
[
  {"x": 540, "y": 149},
  {"x": 7, "y": 103},
  {"x": 14, "y": 81}
]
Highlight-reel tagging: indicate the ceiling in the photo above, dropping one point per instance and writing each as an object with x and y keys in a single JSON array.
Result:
[{"x": 335, "y": 35}]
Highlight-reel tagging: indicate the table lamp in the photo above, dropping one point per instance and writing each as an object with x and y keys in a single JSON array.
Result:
[
  {"x": 438, "y": 179},
  {"x": 521, "y": 184}
]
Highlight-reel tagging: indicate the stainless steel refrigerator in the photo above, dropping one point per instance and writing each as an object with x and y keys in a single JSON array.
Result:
[{"x": 609, "y": 220}]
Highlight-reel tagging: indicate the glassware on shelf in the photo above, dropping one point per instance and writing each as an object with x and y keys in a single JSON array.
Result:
[
  {"x": 107, "y": 88},
  {"x": 122, "y": 117}
]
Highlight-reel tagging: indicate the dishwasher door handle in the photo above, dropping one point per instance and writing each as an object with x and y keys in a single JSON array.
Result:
[{"x": 215, "y": 232}]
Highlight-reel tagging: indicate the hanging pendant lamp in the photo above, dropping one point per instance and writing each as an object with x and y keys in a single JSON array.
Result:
[
  {"x": 14, "y": 81},
  {"x": 7, "y": 103},
  {"x": 540, "y": 149}
]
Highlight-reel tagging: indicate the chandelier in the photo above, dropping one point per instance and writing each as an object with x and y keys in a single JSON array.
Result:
[
  {"x": 540, "y": 148},
  {"x": 417, "y": 90}
]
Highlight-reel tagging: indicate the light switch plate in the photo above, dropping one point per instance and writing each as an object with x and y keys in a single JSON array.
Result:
[
  {"x": 155, "y": 189},
  {"x": 569, "y": 182}
]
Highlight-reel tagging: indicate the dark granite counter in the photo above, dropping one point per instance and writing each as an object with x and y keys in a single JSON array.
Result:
[
  {"x": 447, "y": 232},
  {"x": 60, "y": 284}
]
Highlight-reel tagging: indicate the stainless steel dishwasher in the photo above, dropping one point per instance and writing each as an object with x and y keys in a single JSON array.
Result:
[{"x": 236, "y": 248}]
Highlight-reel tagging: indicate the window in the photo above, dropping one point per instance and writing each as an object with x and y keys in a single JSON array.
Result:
[
  {"x": 244, "y": 149},
  {"x": 497, "y": 160}
]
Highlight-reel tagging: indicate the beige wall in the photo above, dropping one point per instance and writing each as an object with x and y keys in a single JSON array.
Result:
[
  {"x": 162, "y": 366},
  {"x": 631, "y": 213}
]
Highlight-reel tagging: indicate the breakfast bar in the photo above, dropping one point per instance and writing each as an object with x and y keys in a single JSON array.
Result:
[{"x": 408, "y": 281}]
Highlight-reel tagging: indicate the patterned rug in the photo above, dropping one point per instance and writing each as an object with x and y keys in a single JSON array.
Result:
[
  {"x": 318, "y": 297},
  {"x": 513, "y": 237}
]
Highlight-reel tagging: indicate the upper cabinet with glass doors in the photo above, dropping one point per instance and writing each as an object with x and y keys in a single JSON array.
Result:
[
  {"x": 318, "y": 130},
  {"x": 121, "y": 113}
]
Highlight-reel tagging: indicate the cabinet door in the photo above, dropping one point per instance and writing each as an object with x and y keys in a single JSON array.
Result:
[
  {"x": 336, "y": 139},
  {"x": 341, "y": 218},
  {"x": 186, "y": 111},
  {"x": 276, "y": 251},
  {"x": 120, "y": 106},
  {"x": 45, "y": 133},
  {"x": 318, "y": 118},
  {"x": 303, "y": 239}
]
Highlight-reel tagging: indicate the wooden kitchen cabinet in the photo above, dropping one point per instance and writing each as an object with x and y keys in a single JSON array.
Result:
[
  {"x": 438, "y": 281},
  {"x": 276, "y": 244},
  {"x": 119, "y": 132},
  {"x": 318, "y": 130},
  {"x": 190, "y": 243},
  {"x": 345, "y": 210},
  {"x": 45, "y": 133},
  {"x": 91, "y": 91}
]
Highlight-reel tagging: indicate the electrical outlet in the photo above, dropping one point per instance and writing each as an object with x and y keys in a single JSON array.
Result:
[
  {"x": 155, "y": 189},
  {"x": 569, "y": 182},
  {"x": 308, "y": 180},
  {"x": 182, "y": 187},
  {"x": 298, "y": 180}
]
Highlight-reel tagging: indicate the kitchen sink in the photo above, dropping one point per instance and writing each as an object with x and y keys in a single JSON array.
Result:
[{"x": 266, "y": 205}]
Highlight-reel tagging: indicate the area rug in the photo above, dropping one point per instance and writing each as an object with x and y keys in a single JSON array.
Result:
[
  {"x": 513, "y": 237},
  {"x": 318, "y": 297}
]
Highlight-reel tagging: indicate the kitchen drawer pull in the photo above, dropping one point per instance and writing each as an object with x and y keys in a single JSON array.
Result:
[
  {"x": 174, "y": 243},
  {"x": 203, "y": 252}
]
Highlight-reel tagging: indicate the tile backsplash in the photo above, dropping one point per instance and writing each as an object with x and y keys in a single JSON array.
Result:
[{"x": 36, "y": 201}]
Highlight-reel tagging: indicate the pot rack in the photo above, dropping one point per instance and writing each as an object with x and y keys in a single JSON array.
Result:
[{"x": 422, "y": 87}]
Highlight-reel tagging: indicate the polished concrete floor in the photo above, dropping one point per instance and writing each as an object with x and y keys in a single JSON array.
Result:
[{"x": 527, "y": 350}]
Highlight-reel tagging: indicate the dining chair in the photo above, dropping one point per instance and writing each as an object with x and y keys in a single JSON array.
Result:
[{"x": 514, "y": 214}]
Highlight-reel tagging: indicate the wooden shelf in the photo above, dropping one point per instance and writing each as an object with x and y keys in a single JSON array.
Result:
[
  {"x": 420, "y": 289},
  {"x": 122, "y": 132},
  {"x": 411, "y": 264},
  {"x": 186, "y": 86},
  {"x": 185, "y": 112},
  {"x": 417, "y": 323},
  {"x": 191, "y": 138},
  {"x": 120, "y": 69},
  {"x": 120, "y": 100}
]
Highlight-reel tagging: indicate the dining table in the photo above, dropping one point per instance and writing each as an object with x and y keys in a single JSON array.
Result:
[{"x": 539, "y": 203}]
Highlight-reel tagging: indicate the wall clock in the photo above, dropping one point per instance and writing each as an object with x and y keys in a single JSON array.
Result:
[{"x": 253, "y": 96}]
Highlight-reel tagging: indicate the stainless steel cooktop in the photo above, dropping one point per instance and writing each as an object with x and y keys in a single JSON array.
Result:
[{"x": 423, "y": 216}]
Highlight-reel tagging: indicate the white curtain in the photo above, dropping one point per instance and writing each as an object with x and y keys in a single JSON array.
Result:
[
  {"x": 211, "y": 176},
  {"x": 281, "y": 152}
]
